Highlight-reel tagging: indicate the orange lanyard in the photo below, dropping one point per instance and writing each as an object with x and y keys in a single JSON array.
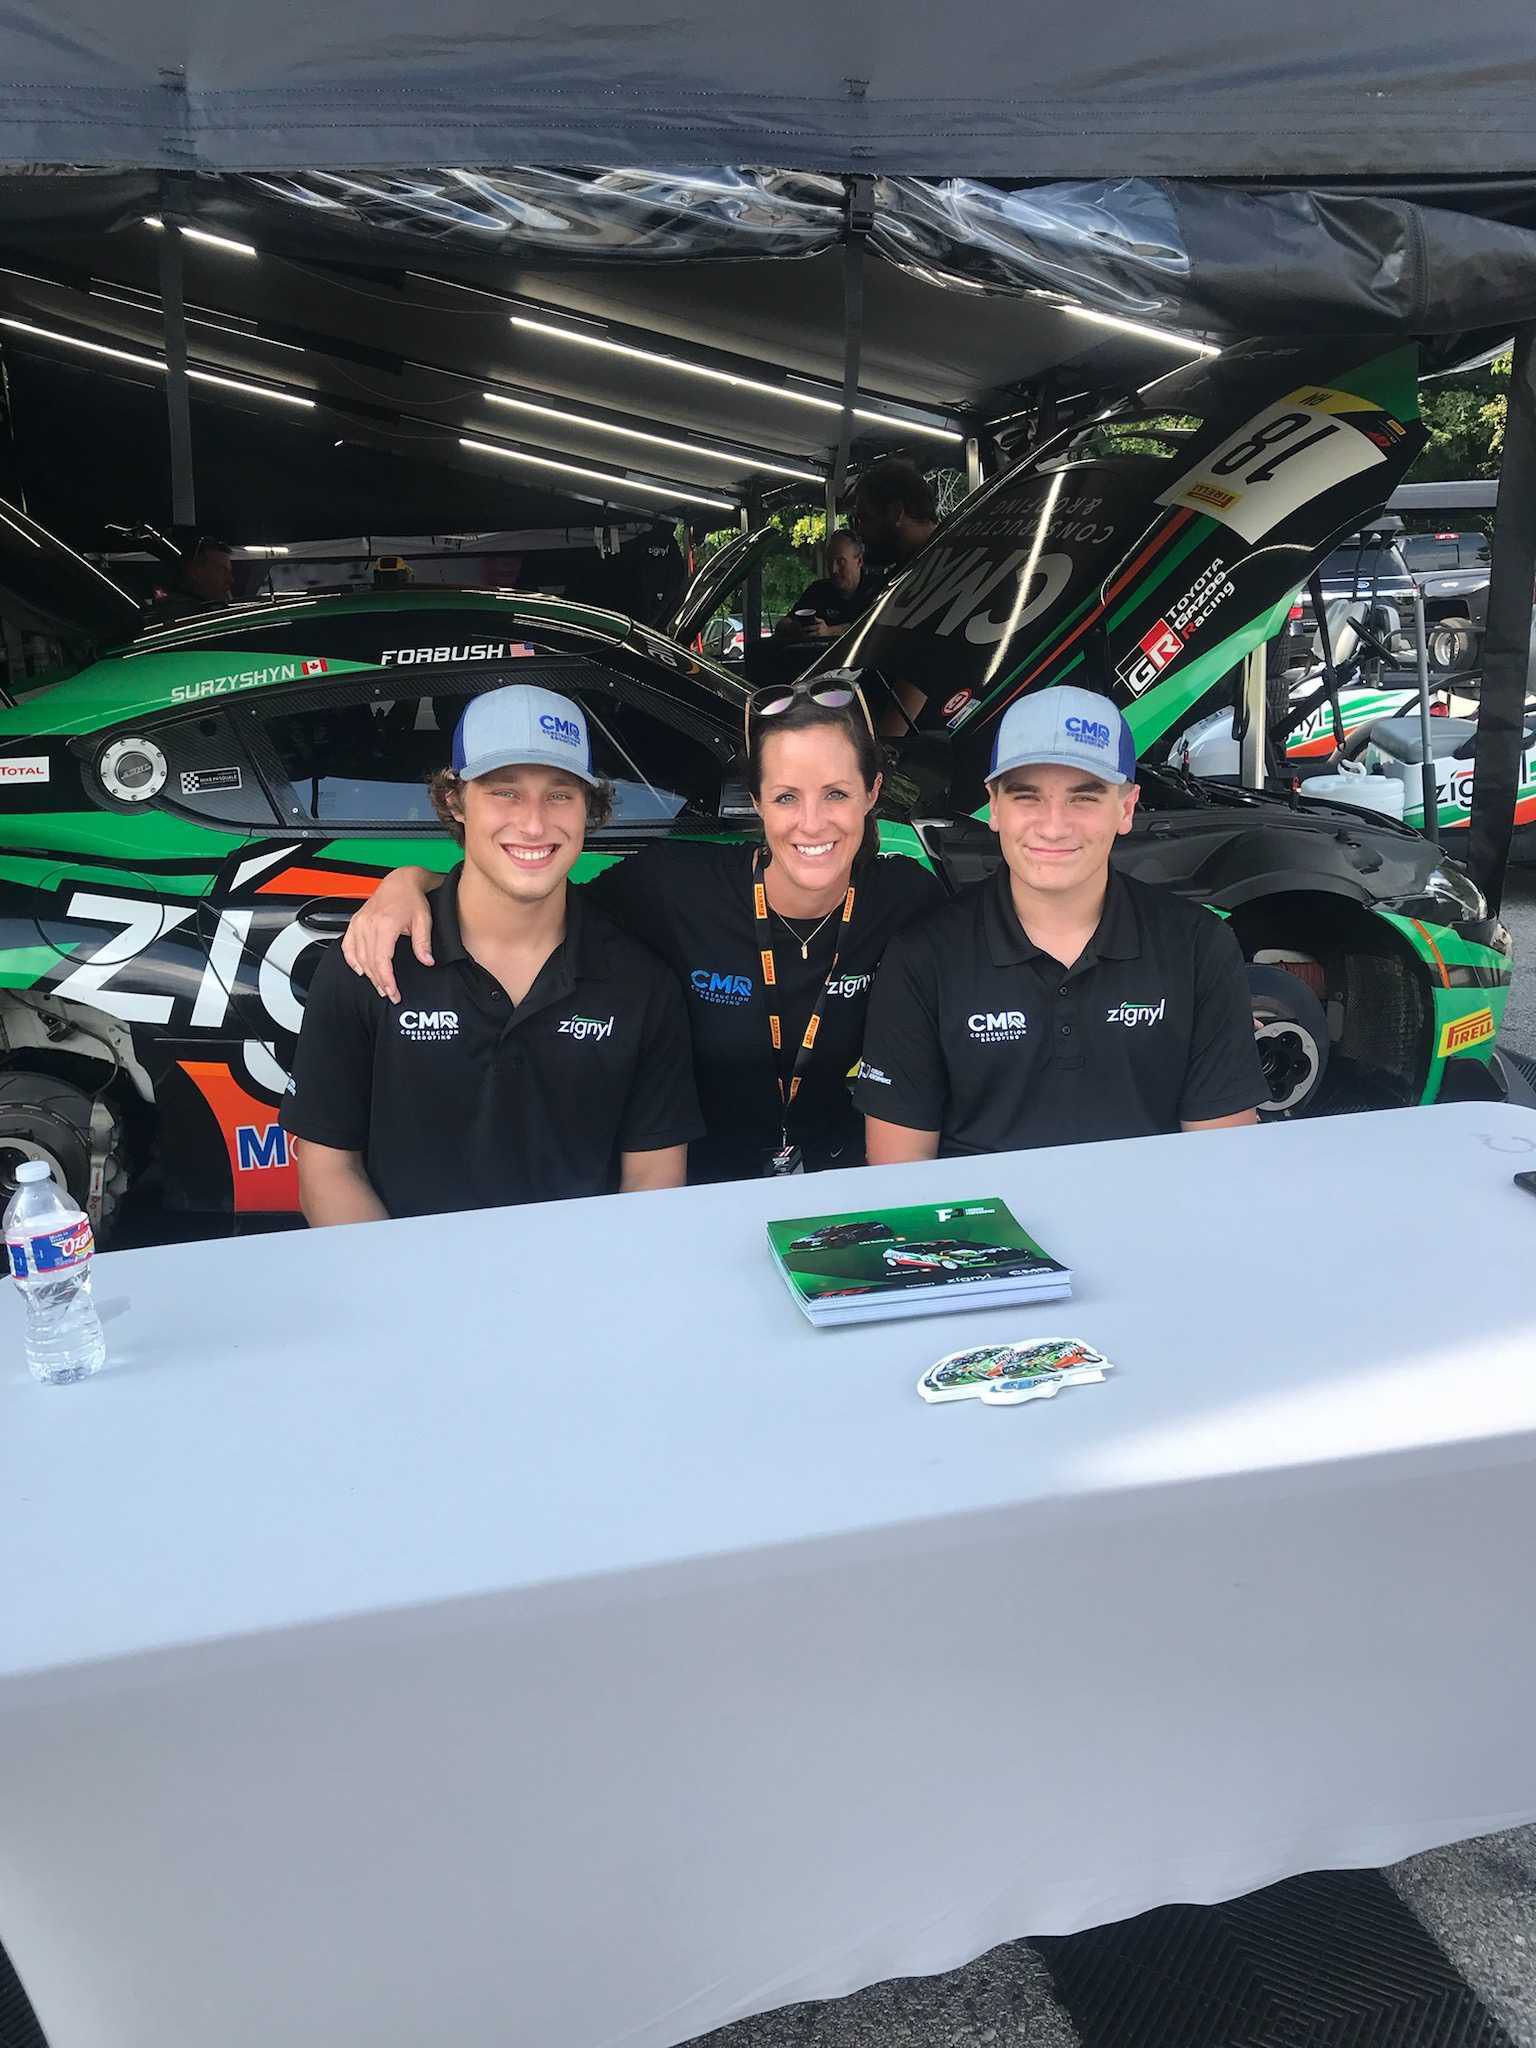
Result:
[{"x": 771, "y": 981}]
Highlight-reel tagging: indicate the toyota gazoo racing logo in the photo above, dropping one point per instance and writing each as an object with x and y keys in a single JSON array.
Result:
[
  {"x": 997, "y": 1027},
  {"x": 1139, "y": 671},
  {"x": 1134, "y": 1015},
  {"x": 711, "y": 987}
]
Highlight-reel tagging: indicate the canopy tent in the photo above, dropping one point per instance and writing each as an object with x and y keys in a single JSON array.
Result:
[
  {"x": 1311, "y": 89},
  {"x": 607, "y": 337}
]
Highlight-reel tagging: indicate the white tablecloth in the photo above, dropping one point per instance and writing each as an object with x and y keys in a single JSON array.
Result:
[{"x": 523, "y": 1629}]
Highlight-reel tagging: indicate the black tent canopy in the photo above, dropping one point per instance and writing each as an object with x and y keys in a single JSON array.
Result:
[{"x": 428, "y": 239}]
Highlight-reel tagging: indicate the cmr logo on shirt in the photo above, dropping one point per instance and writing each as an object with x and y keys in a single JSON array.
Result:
[
  {"x": 997, "y": 1027},
  {"x": 1091, "y": 731},
  {"x": 710, "y": 987},
  {"x": 586, "y": 1027},
  {"x": 429, "y": 1027},
  {"x": 1134, "y": 1014}
]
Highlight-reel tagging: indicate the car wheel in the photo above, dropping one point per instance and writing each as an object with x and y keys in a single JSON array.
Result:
[
  {"x": 1451, "y": 643},
  {"x": 42, "y": 1117},
  {"x": 1290, "y": 1029}
]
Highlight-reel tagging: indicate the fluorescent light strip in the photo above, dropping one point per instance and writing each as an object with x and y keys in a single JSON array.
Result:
[
  {"x": 123, "y": 355},
  {"x": 224, "y": 242},
  {"x": 645, "y": 355},
  {"x": 737, "y": 459},
  {"x": 683, "y": 494},
  {"x": 1183, "y": 341}
]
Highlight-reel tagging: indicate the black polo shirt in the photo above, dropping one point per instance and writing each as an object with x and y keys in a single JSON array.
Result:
[
  {"x": 837, "y": 607},
  {"x": 692, "y": 903},
  {"x": 976, "y": 1033},
  {"x": 457, "y": 1099}
]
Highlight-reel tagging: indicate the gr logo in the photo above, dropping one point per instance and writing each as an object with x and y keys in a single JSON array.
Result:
[
  {"x": 1091, "y": 731},
  {"x": 997, "y": 1027},
  {"x": 429, "y": 1025},
  {"x": 710, "y": 987},
  {"x": 565, "y": 729}
]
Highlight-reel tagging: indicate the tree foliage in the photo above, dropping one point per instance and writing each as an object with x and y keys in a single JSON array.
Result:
[{"x": 1466, "y": 426}]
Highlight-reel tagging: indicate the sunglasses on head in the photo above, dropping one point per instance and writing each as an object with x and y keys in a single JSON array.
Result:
[{"x": 775, "y": 699}]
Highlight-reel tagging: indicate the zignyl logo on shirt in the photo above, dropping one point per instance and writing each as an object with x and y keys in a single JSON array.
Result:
[
  {"x": 710, "y": 987},
  {"x": 585, "y": 1027},
  {"x": 1135, "y": 1014}
]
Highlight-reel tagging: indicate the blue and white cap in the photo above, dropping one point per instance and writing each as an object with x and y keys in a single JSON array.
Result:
[
  {"x": 522, "y": 726},
  {"x": 1067, "y": 728}
]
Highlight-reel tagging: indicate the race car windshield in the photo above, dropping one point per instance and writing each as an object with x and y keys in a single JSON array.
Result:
[{"x": 1163, "y": 435}]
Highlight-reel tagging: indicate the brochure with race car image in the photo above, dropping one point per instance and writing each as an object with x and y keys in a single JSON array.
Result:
[{"x": 922, "y": 1260}]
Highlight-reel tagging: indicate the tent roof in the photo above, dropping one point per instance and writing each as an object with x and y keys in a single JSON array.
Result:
[
  {"x": 1311, "y": 90},
  {"x": 392, "y": 362}
]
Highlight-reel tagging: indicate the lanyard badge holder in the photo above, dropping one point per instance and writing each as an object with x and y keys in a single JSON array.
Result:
[{"x": 789, "y": 1158}]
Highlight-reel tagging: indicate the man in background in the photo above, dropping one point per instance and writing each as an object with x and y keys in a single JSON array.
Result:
[
  {"x": 894, "y": 513},
  {"x": 830, "y": 605}
]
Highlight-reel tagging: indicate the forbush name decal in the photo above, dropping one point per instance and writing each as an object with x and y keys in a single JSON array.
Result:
[{"x": 473, "y": 650}]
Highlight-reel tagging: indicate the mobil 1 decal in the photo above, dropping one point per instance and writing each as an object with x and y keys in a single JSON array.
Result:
[{"x": 1001, "y": 575}]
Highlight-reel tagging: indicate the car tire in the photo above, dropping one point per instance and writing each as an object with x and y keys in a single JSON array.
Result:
[
  {"x": 1291, "y": 1031},
  {"x": 42, "y": 1117},
  {"x": 1452, "y": 644}
]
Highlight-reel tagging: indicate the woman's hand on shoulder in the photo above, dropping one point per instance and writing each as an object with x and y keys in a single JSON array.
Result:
[{"x": 397, "y": 909}]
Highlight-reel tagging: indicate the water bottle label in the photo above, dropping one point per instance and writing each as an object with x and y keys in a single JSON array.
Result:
[{"x": 53, "y": 1251}]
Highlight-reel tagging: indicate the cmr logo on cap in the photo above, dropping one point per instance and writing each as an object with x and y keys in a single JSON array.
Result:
[
  {"x": 565, "y": 729},
  {"x": 1089, "y": 730}
]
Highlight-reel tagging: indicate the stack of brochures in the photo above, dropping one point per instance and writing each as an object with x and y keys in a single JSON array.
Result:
[{"x": 913, "y": 1262}]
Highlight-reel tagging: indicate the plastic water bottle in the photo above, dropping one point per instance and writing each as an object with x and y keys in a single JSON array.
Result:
[{"x": 50, "y": 1245}]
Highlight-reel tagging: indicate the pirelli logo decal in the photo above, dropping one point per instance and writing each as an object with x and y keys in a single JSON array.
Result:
[{"x": 1462, "y": 1033}]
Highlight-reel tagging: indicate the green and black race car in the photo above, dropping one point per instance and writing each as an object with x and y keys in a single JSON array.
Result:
[{"x": 188, "y": 819}]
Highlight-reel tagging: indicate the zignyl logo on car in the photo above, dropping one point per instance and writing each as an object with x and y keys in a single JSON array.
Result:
[{"x": 710, "y": 987}]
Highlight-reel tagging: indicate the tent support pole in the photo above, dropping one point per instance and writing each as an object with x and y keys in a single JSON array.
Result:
[
  {"x": 860, "y": 220},
  {"x": 972, "y": 464},
  {"x": 177, "y": 400},
  {"x": 752, "y": 594},
  {"x": 1500, "y": 742}
]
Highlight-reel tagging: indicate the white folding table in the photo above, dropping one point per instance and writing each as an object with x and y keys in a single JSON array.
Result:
[{"x": 523, "y": 1628}]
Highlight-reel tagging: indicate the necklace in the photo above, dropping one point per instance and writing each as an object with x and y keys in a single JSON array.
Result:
[{"x": 805, "y": 944}]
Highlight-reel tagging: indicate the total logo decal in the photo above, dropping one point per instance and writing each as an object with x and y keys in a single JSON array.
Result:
[
  {"x": 1133, "y": 1015},
  {"x": 710, "y": 987},
  {"x": 429, "y": 1027},
  {"x": 24, "y": 768},
  {"x": 248, "y": 679},
  {"x": 585, "y": 1027},
  {"x": 997, "y": 1027}
]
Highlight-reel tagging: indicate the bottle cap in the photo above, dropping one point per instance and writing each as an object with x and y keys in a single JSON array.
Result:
[{"x": 33, "y": 1170}]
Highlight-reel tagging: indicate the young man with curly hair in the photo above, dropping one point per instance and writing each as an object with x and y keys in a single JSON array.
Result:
[{"x": 543, "y": 1054}]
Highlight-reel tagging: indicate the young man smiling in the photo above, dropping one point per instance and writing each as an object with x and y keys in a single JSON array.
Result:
[
  {"x": 542, "y": 1054},
  {"x": 1058, "y": 1000}
]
